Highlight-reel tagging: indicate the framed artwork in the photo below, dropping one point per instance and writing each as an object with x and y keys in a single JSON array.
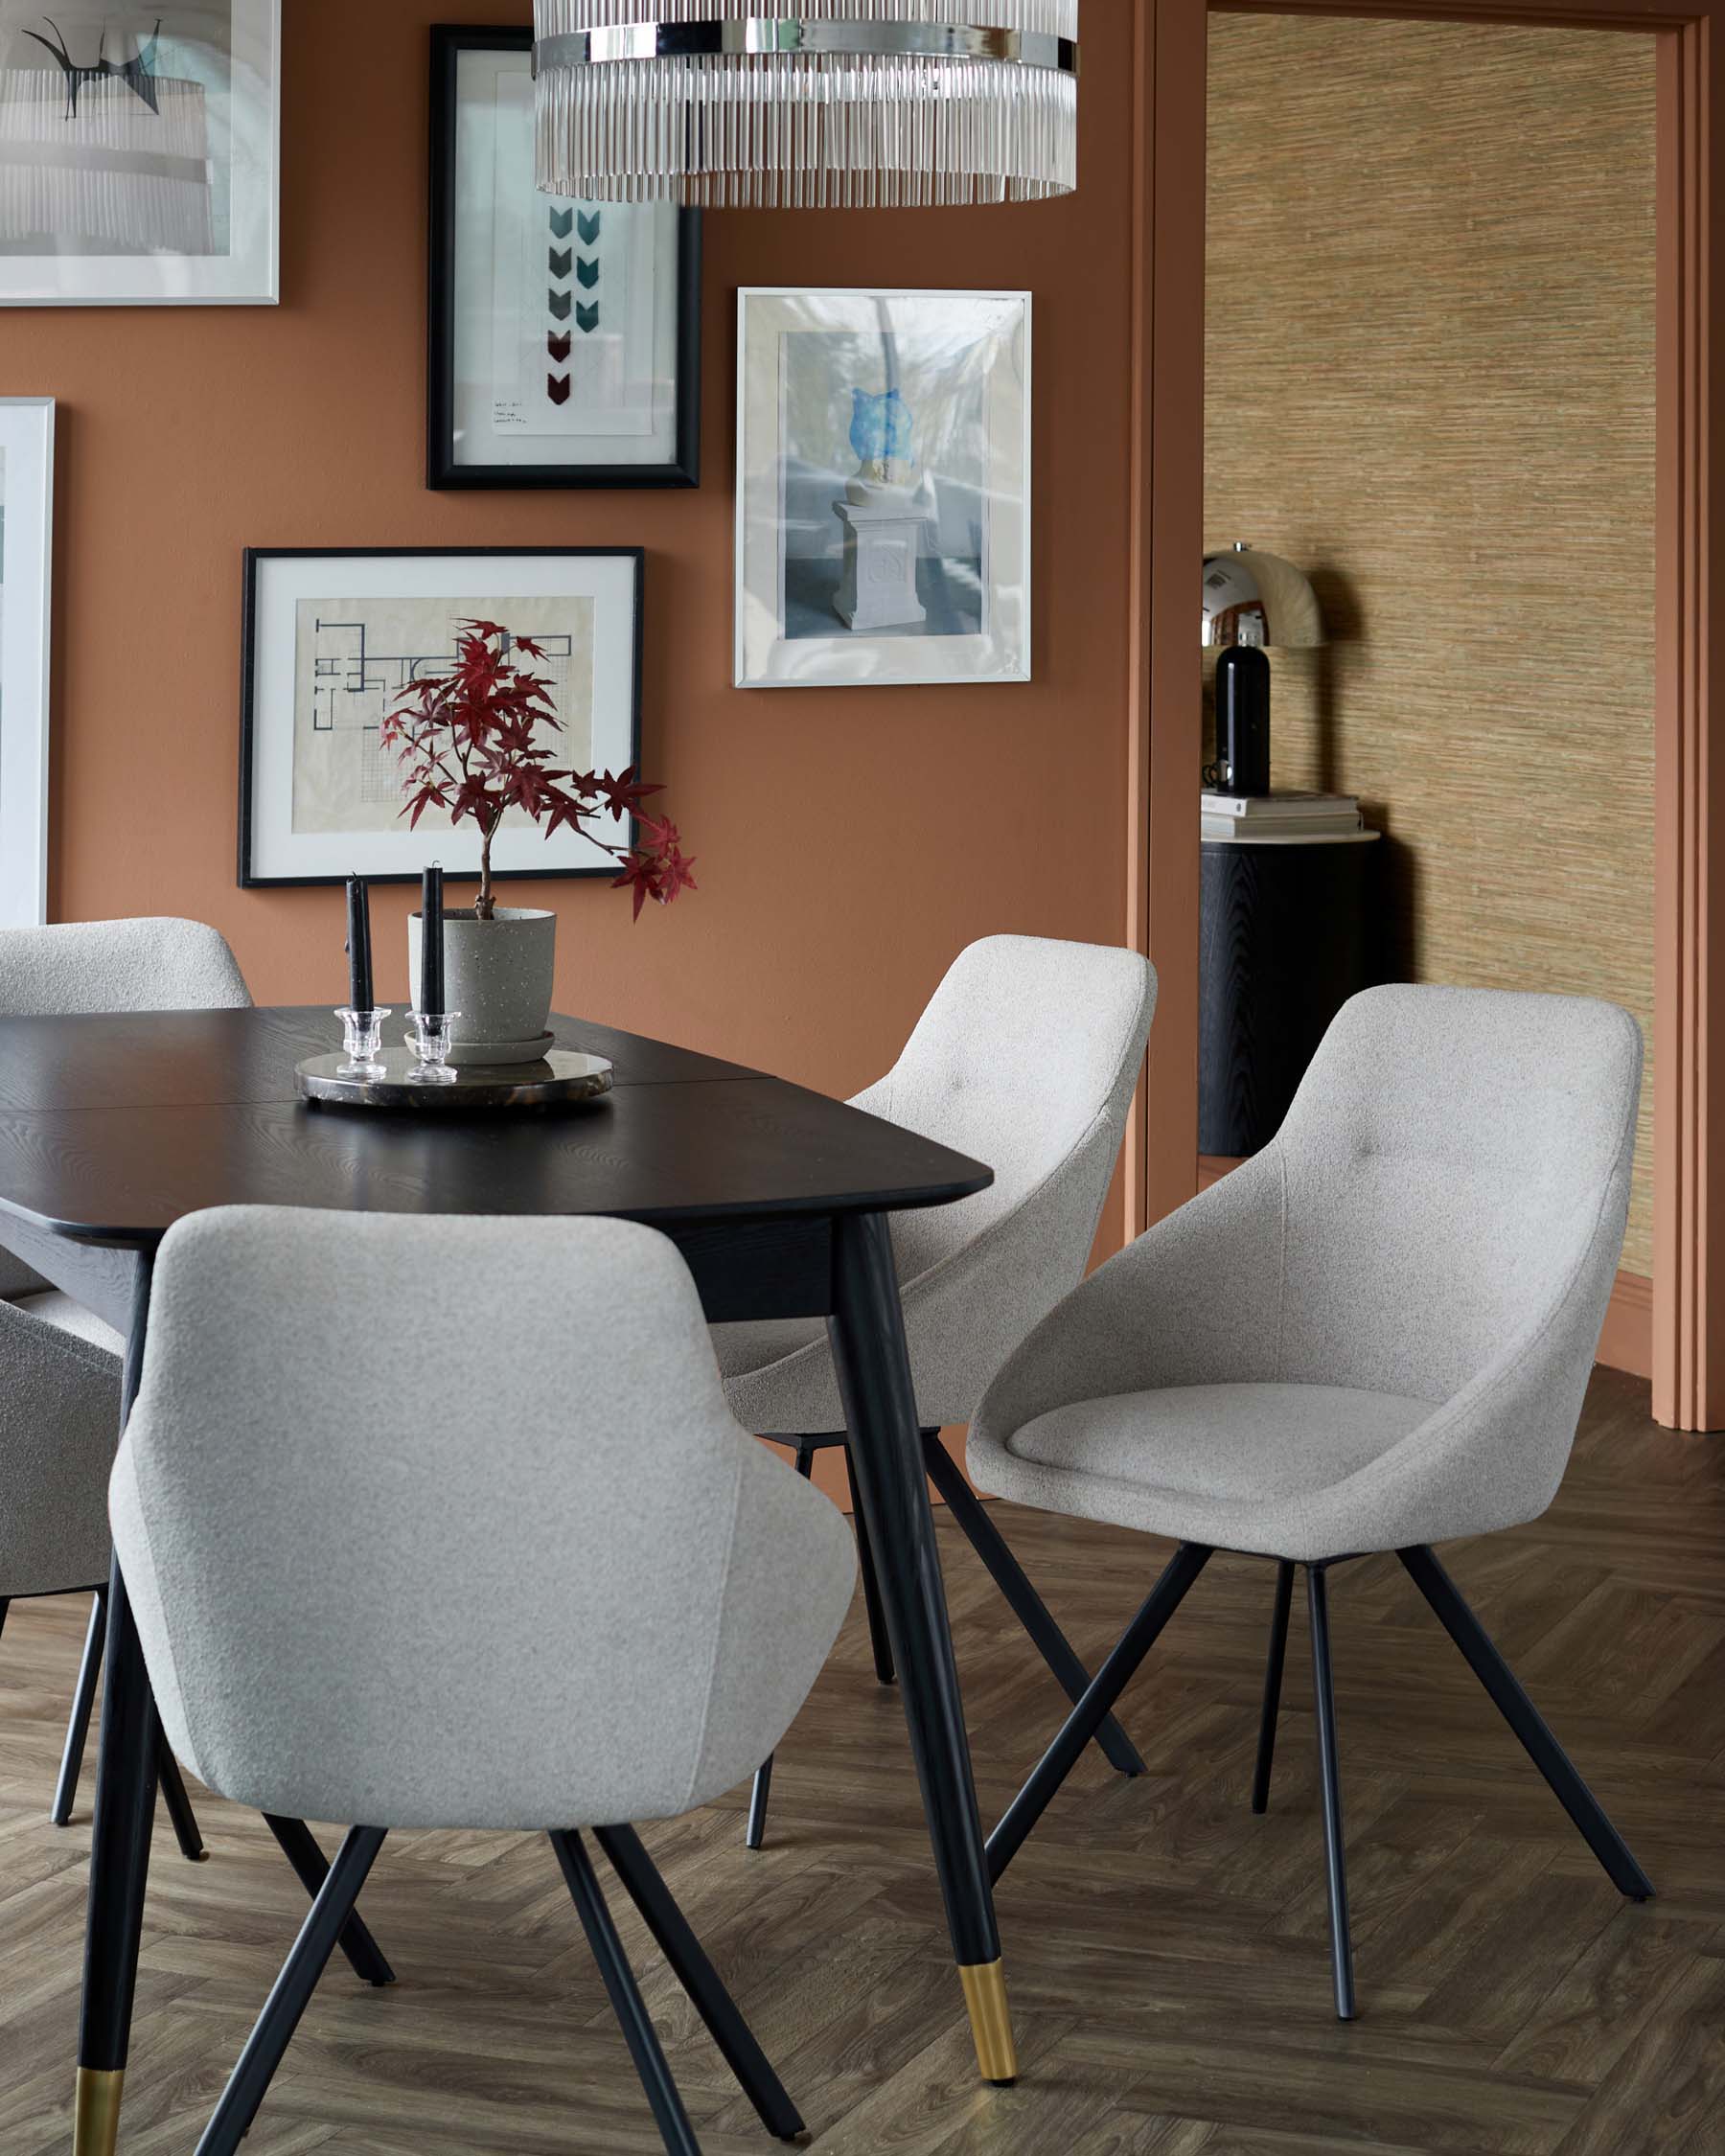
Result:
[
  {"x": 883, "y": 488},
  {"x": 565, "y": 335},
  {"x": 333, "y": 638},
  {"x": 139, "y": 152},
  {"x": 26, "y": 535}
]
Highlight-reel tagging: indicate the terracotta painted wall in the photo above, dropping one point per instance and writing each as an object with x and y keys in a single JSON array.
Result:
[{"x": 850, "y": 842}]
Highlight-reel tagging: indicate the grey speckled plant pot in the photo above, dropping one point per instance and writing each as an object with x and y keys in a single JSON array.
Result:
[{"x": 496, "y": 973}]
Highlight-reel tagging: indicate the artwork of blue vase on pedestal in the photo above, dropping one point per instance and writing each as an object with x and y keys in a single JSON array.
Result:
[{"x": 879, "y": 435}]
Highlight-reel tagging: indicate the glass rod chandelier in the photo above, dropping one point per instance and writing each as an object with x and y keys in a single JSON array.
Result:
[{"x": 834, "y": 103}]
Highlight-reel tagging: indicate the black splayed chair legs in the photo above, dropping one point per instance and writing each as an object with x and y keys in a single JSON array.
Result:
[
  {"x": 179, "y": 1806},
  {"x": 1007, "y": 1574},
  {"x": 680, "y": 1946},
  {"x": 324, "y": 1921},
  {"x": 627, "y": 2002},
  {"x": 83, "y": 1701},
  {"x": 299, "y": 1845},
  {"x": 1523, "y": 1718},
  {"x": 1324, "y": 1700},
  {"x": 1462, "y": 1625},
  {"x": 877, "y": 1640},
  {"x": 1087, "y": 1717},
  {"x": 333, "y": 1917},
  {"x": 1272, "y": 1683},
  {"x": 1025, "y": 1603}
]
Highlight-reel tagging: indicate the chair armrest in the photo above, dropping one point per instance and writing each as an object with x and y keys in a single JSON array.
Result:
[
  {"x": 1491, "y": 1455},
  {"x": 1195, "y": 1301}
]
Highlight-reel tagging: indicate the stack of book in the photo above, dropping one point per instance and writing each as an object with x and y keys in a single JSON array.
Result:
[{"x": 1281, "y": 818}]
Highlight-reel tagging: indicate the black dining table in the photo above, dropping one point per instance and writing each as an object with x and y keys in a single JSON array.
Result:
[{"x": 112, "y": 1128}]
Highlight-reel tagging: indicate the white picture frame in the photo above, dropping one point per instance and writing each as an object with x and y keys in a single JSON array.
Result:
[
  {"x": 883, "y": 498},
  {"x": 179, "y": 201},
  {"x": 26, "y": 606}
]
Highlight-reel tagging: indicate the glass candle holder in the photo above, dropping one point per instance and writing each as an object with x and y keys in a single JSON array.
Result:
[
  {"x": 430, "y": 1040},
  {"x": 362, "y": 1035}
]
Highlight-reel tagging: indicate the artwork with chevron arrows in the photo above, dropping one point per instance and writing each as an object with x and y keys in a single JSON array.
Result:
[
  {"x": 561, "y": 331},
  {"x": 138, "y": 151}
]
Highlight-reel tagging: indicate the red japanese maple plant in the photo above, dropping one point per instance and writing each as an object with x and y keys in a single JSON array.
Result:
[{"x": 481, "y": 740}]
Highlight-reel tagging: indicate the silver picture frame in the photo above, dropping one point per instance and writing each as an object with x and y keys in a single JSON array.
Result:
[
  {"x": 140, "y": 162},
  {"x": 26, "y": 614},
  {"x": 883, "y": 500}
]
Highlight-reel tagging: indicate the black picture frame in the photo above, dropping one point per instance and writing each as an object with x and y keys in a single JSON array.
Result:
[
  {"x": 449, "y": 41},
  {"x": 249, "y": 653}
]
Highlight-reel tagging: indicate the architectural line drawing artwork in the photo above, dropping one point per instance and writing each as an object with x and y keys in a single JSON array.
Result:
[
  {"x": 138, "y": 73},
  {"x": 354, "y": 684}
]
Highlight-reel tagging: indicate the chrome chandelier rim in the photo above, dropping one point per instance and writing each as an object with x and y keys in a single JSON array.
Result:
[{"x": 744, "y": 36}]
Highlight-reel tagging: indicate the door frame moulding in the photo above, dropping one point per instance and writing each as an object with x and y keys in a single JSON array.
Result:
[{"x": 1164, "y": 716}]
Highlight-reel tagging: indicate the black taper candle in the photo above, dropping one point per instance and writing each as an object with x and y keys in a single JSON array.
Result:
[
  {"x": 431, "y": 932},
  {"x": 358, "y": 945}
]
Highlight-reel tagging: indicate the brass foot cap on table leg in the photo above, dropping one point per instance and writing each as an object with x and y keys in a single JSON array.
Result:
[
  {"x": 985, "y": 1995},
  {"x": 95, "y": 2119}
]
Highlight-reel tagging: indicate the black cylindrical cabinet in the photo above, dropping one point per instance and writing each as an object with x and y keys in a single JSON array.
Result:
[{"x": 1286, "y": 935}]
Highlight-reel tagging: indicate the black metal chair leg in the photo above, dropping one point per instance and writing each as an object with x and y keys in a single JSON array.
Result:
[
  {"x": 1334, "y": 1856},
  {"x": 299, "y": 1845},
  {"x": 179, "y": 1806},
  {"x": 1523, "y": 1718},
  {"x": 291, "y": 1994},
  {"x": 4, "y": 1605},
  {"x": 627, "y": 2002},
  {"x": 1086, "y": 1719},
  {"x": 1272, "y": 1683},
  {"x": 754, "y": 1833},
  {"x": 1025, "y": 1603},
  {"x": 871, "y": 1586},
  {"x": 83, "y": 1701},
  {"x": 677, "y": 1943}
]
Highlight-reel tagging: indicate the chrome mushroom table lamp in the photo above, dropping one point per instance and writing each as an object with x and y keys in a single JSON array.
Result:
[{"x": 1251, "y": 599}]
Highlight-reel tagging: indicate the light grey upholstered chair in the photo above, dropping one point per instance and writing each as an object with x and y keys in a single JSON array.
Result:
[
  {"x": 1376, "y": 1335},
  {"x": 59, "y": 1365},
  {"x": 1027, "y": 1057},
  {"x": 445, "y": 1523}
]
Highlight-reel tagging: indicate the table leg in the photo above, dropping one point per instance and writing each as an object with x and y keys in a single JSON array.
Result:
[
  {"x": 126, "y": 1796},
  {"x": 867, "y": 1330}
]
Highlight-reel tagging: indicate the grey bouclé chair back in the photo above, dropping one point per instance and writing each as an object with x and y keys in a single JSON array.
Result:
[
  {"x": 1025, "y": 1057},
  {"x": 76, "y": 967},
  {"x": 444, "y": 1522}
]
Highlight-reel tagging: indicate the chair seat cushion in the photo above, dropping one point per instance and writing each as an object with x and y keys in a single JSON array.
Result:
[
  {"x": 1232, "y": 1465},
  {"x": 60, "y": 1311}
]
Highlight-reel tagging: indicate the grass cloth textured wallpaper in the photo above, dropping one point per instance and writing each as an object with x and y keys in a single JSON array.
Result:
[{"x": 1429, "y": 381}]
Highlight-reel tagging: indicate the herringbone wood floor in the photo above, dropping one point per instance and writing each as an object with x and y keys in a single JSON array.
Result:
[{"x": 1165, "y": 1950}]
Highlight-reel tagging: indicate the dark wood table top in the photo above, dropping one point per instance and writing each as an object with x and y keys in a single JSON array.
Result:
[{"x": 113, "y": 1128}]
